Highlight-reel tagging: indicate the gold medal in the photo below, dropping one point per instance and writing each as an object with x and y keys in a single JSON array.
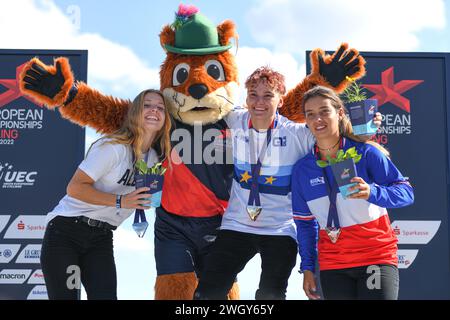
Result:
[{"x": 253, "y": 212}]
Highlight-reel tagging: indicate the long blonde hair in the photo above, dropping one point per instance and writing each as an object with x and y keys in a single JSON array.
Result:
[
  {"x": 345, "y": 126},
  {"x": 132, "y": 131}
]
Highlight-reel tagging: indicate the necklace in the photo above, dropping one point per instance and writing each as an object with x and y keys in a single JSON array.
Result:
[{"x": 330, "y": 148}]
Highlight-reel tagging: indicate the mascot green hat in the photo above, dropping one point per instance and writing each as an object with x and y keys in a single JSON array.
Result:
[{"x": 195, "y": 34}]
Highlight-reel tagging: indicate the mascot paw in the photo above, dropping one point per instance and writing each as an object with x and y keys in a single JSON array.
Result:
[
  {"x": 47, "y": 84},
  {"x": 336, "y": 69}
]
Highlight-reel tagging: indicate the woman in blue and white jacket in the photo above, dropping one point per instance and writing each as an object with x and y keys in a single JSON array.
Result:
[{"x": 354, "y": 234}]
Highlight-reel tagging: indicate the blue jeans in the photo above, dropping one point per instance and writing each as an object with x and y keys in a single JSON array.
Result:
[{"x": 71, "y": 245}]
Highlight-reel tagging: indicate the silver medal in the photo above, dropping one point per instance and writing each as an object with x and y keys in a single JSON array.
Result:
[{"x": 333, "y": 233}]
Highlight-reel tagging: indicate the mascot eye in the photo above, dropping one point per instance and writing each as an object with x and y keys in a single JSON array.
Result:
[
  {"x": 180, "y": 74},
  {"x": 215, "y": 69}
]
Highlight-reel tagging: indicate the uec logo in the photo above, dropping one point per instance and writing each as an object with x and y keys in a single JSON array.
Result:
[
  {"x": 20, "y": 176},
  {"x": 16, "y": 176}
]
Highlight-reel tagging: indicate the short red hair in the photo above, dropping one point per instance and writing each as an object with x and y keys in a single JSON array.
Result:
[{"x": 274, "y": 79}]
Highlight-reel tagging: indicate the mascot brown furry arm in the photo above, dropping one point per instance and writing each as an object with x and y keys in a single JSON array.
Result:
[
  {"x": 106, "y": 113},
  {"x": 89, "y": 108},
  {"x": 331, "y": 71},
  {"x": 199, "y": 82}
]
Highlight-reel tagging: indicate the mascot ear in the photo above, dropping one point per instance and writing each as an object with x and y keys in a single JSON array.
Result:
[
  {"x": 167, "y": 36},
  {"x": 227, "y": 30}
]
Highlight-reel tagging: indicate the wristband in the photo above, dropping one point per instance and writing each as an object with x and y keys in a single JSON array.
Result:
[
  {"x": 72, "y": 93},
  {"x": 118, "y": 201}
]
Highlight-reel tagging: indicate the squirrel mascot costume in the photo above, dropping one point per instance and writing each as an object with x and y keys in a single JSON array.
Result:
[{"x": 199, "y": 80}]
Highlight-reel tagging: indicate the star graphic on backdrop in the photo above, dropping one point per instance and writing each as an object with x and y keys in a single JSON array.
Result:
[
  {"x": 245, "y": 176},
  {"x": 270, "y": 180},
  {"x": 388, "y": 91},
  {"x": 13, "y": 91}
]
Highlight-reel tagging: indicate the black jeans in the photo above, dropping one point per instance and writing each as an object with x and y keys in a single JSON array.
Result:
[
  {"x": 231, "y": 252},
  {"x": 375, "y": 282},
  {"x": 73, "y": 251}
]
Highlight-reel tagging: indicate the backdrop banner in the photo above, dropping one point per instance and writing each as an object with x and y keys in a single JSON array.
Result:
[{"x": 39, "y": 153}]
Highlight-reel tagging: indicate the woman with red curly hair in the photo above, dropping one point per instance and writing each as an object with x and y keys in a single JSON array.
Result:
[{"x": 259, "y": 216}]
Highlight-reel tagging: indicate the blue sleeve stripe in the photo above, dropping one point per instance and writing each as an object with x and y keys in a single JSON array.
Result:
[
  {"x": 302, "y": 213},
  {"x": 304, "y": 218},
  {"x": 307, "y": 236},
  {"x": 401, "y": 182}
]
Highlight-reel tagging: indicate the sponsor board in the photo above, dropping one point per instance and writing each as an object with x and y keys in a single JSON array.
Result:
[
  {"x": 30, "y": 254},
  {"x": 26, "y": 227},
  {"x": 37, "y": 277},
  {"x": 8, "y": 252},
  {"x": 406, "y": 258},
  {"x": 415, "y": 231},
  {"x": 4, "y": 221},
  {"x": 14, "y": 276},
  {"x": 27, "y": 187},
  {"x": 38, "y": 293}
]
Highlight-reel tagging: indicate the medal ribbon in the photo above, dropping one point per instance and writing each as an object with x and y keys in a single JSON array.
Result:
[
  {"x": 332, "y": 190},
  {"x": 139, "y": 215},
  {"x": 254, "y": 198}
]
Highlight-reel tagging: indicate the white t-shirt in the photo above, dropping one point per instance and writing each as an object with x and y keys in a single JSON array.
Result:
[
  {"x": 110, "y": 166},
  {"x": 290, "y": 141}
]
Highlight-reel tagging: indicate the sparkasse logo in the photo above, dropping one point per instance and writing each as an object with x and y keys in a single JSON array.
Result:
[
  {"x": 20, "y": 225},
  {"x": 415, "y": 231},
  {"x": 27, "y": 227}
]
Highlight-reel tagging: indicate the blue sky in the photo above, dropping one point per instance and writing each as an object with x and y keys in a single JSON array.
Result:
[
  {"x": 125, "y": 55},
  {"x": 137, "y": 23},
  {"x": 140, "y": 26}
]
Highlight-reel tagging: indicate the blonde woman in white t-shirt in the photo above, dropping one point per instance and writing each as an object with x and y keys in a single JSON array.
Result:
[{"x": 100, "y": 196}]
